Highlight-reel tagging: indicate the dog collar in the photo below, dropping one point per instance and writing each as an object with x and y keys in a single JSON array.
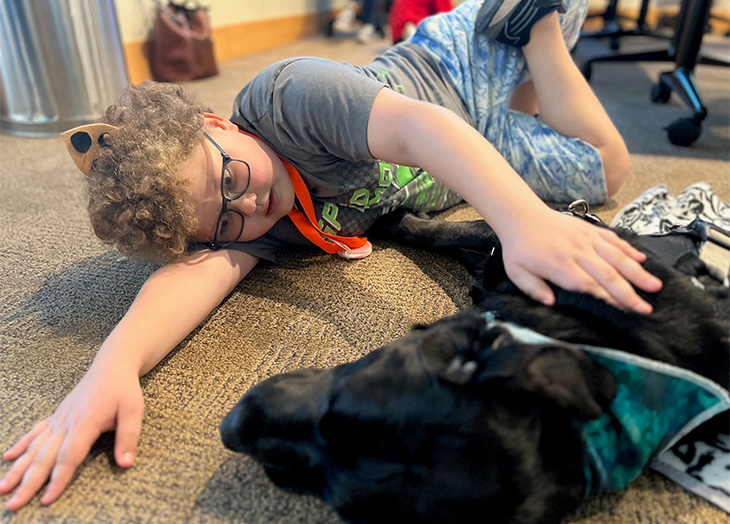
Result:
[{"x": 656, "y": 404}]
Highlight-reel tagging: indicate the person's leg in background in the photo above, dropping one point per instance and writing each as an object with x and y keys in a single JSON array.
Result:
[
  {"x": 371, "y": 24},
  {"x": 557, "y": 165},
  {"x": 345, "y": 20}
]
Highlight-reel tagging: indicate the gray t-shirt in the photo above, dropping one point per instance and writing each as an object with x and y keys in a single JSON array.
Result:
[{"x": 314, "y": 113}]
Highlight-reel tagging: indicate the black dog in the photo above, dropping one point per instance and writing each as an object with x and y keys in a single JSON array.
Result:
[{"x": 459, "y": 421}]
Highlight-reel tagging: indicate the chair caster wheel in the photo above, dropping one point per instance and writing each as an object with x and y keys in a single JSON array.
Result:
[
  {"x": 586, "y": 69},
  {"x": 684, "y": 131},
  {"x": 660, "y": 93}
]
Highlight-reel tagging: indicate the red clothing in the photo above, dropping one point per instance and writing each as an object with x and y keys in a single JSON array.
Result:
[{"x": 414, "y": 11}]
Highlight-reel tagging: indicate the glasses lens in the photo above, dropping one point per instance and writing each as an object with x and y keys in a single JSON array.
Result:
[
  {"x": 236, "y": 178},
  {"x": 230, "y": 227}
]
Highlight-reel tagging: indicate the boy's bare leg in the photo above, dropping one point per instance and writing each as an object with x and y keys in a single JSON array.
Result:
[{"x": 566, "y": 101}]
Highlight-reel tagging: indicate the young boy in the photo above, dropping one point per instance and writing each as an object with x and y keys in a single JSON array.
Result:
[{"x": 160, "y": 183}]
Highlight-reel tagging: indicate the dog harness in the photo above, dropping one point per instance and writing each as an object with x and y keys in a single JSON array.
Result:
[
  {"x": 656, "y": 404},
  {"x": 306, "y": 221}
]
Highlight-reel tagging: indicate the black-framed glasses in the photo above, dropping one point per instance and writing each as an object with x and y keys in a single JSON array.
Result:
[{"x": 235, "y": 179}]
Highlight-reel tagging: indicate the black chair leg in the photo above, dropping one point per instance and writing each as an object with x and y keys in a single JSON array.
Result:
[
  {"x": 684, "y": 51},
  {"x": 659, "y": 55},
  {"x": 611, "y": 26},
  {"x": 613, "y": 29},
  {"x": 683, "y": 131},
  {"x": 688, "y": 39}
]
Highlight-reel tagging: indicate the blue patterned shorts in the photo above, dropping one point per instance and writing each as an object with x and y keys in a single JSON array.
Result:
[{"x": 485, "y": 73}]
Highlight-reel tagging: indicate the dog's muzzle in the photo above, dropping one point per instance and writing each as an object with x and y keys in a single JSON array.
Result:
[{"x": 230, "y": 429}]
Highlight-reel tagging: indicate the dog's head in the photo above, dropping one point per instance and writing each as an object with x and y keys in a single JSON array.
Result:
[{"x": 452, "y": 422}]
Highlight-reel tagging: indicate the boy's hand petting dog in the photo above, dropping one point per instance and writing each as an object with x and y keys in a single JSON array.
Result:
[
  {"x": 104, "y": 400},
  {"x": 577, "y": 256}
]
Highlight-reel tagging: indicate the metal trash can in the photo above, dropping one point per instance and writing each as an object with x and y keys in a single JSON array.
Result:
[{"x": 61, "y": 64}]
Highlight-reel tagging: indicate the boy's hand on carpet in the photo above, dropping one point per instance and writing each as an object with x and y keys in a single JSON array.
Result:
[
  {"x": 104, "y": 400},
  {"x": 576, "y": 256}
]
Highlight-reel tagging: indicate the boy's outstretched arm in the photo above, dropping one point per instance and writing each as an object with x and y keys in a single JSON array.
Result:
[
  {"x": 173, "y": 301},
  {"x": 539, "y": 244}
]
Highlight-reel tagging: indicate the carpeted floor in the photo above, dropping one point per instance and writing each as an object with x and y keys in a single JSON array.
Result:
[{"x": 62, "y": 291}]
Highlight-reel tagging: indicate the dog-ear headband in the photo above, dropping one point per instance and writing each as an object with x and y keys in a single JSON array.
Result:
[{"x": 84, "y": 144}]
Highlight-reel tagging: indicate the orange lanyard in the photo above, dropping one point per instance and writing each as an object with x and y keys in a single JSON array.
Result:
[{"x": 306, "y": 222}]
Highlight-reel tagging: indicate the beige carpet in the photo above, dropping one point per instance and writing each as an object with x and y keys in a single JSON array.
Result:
[{"x": 61, "y": 292}]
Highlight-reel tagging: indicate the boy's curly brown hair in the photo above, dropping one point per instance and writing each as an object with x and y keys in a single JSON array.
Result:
[{"x": 138, "y": 201}]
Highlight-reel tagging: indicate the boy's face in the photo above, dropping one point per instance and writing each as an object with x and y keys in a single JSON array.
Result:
[{"x": 270, "y": 195}]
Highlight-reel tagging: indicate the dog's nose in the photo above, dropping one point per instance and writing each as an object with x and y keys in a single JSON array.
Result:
[{"x": 230, "y": 429}]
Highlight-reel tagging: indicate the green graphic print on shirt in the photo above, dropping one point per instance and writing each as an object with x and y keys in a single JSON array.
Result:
[{"x": 398, "y": 187}]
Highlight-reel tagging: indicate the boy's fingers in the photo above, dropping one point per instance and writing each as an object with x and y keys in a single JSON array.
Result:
[
  {"x": 60, "y": 478},
  {"x": 582, "y": 281},
  {"x": 13, "y": 476},
  {"x": 629, "y": 268},
  {"x": 534, "y": 287},
  {"x": 21, "y": 445},
  {"x": 622, "y": 295},
  {"x": 36, "y": 474},
  {"x": 129, "y": 427},
  {"x": 628, "y": 261},
  {"x": 21, "y": 465},
  {"x": 623, "y": 245},
  {"x": 71, "y": 454}
]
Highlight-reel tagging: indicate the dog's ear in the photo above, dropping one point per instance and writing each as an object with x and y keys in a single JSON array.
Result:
[
  {"x": 443, "y": 357},
  {"x": 452, "y": 352},
  {"x": 566, "y": 377}
]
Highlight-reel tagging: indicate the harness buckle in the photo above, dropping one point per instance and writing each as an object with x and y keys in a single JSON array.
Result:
[{"x": 580, "y": 208}]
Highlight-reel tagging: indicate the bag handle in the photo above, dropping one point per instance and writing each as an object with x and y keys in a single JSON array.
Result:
[
  {"x": 186, "y": 5},
  {"x": 171, "y": 14}
]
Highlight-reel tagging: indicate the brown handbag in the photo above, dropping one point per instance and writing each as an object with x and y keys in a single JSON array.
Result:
[{"x": 180, "y": 47}]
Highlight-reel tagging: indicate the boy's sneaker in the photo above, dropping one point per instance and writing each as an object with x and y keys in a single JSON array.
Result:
[
  {"x": 510, "y": 21},
  {"x": 365, "y": 34},
  {"x": 345, "y": 20},
  {"x": 408, "y": 30}
]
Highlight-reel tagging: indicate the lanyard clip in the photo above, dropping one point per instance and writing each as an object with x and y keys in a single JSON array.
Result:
[{"x": 356, "y": 253}]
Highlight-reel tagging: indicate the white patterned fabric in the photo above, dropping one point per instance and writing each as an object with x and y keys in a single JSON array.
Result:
[
  {"x": 701, "y": 462},
  {"x": 656, "y": 210}
]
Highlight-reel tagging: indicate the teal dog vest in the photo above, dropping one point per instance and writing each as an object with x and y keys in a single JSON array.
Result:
[{"x": 656, "y": 404}]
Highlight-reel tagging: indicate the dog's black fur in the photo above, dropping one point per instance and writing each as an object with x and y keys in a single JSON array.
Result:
[{"x": 455, "y": 422}]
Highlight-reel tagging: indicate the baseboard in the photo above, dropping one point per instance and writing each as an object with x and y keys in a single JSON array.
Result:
[{"x": 237, "y": 40}]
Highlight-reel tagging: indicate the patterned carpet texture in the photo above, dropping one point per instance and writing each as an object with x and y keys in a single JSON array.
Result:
[{"x": 62, "y": 291}]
